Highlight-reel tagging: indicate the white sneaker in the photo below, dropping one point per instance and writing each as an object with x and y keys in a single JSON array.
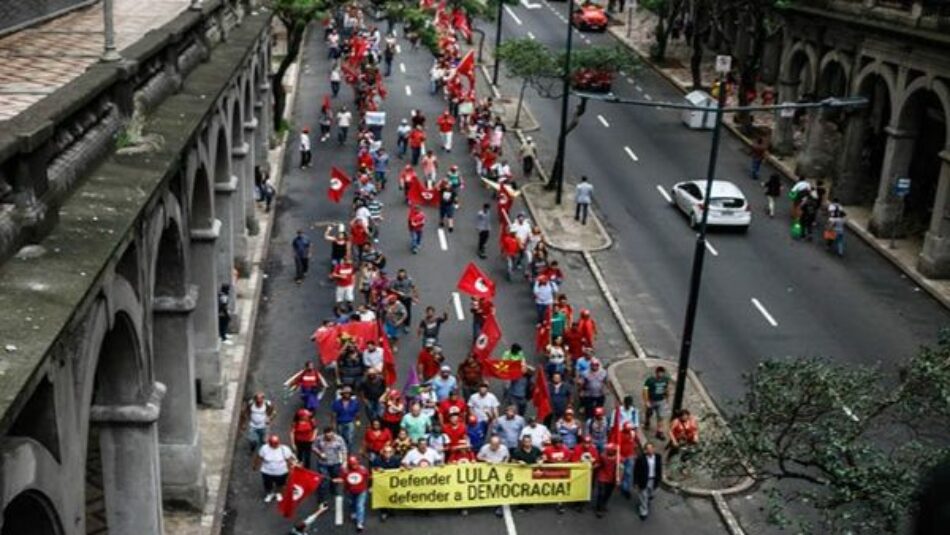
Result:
[
  {"x": 280, "y": 497},
  {"x": 269, "y": 497}
]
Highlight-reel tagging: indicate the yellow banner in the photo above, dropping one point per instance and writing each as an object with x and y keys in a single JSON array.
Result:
[{"x": 480, "y": 485}]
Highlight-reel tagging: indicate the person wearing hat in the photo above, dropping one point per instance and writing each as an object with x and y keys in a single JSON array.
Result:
[
  {"x": 446, "y": 124},
  {"x": 476, "y": 431},
  {"x": 593, "y": 386},
  {"x": 429, "y": 361},
  {"x": 454, "y": 404},
  {"x": 444, "y": 383},
  {"x": 529, "y": 153},
  {"x": 402, "y": 138},
  {"x": 273, "y": 461},
  {"x": 346, "y": 412},
  {"x": 355, "y": 478},
  {"x": 568, "y": 429},
  {"x": 454, "y": 428},
  {"x": 305, "y": 153},
  {"x": 303, "y": 430},
  {"x": 597, "y": 428},
  {"x": 606, "y": 476},
  {"x": 585, "y": 451}
]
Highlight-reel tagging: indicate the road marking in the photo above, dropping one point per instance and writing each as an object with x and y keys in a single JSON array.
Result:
[
  {"x": 768, "y": 317},
  {"x": 629, "y": 80},
  {"x": 338, "y": 509},
  {"x": 647, "y": 96},
  {"x": 402, "y": 67},
  {"x": 398, "y": 49},
  {"x": 509, "y": 520},
  {"x": 443, "y": 243},
  {"x": 408, "y": 91},
  {"x": 512, "y": 13},
  {"x": 457, "y": 300},
  {"x": 638, "y": 88},
  {"x": 710, "y": 248},
  {"x": 630, "y": 153},
  {"x": 528, "y": 5},
  {"x": 530, "y": 36},
  {"x": 664, "y": 194},
  {"x": 622, "y": 73},
  {"x": 603, "y": 121}
]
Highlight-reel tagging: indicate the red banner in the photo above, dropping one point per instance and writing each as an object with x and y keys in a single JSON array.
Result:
[
  {"x": 475, "y": 283},
  {"x": 300, "y": 484},
  {"x": 487, "y": 339},
  {"x": 506, "y": 370},
  {"x": 339, "y": 181}
]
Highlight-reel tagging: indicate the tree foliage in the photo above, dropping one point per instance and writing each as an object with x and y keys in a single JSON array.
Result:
[
  {"x": 602, "y": 58},
  {"x": 857, "y": 441}
]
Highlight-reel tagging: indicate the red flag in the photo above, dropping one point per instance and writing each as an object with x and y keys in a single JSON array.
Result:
[
  {"x": 466, "y": 67},
  {"x": 460, "y": 21},
  {"x": 475, "y": 283},
  {"x": 338, "y": 184},
  {"x": 506, "y": 370},
  {"x": 389, "y": 362},
  {"x": 487, "y": 339},
  {"x": 617, "y": 429},
  {"x": 541, "y": 397},
  {"x": 360, "y": 331},
  {"x": 300, "y": 484},
  {"x": 328, "y": 344},
  {"x": 419, "y": 194}
]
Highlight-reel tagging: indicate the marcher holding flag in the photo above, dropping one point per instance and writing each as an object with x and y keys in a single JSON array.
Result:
[
  {"x": 476, "y": 283},
  {"x": 301, "y": 484},
  {"x": 339, "y": 181}
]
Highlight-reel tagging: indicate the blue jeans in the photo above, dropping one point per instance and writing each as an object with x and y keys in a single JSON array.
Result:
[
  {"x": 329, "y": 472},
  {"x": 415, "y": 239},
  {"x": 373, "y": 409},
  {"x": 626, "y": 480},
  {"x": 357, "y": 503},
  {"x": 346, "y": 431},
  {"x": 402, "y": 144},
  {"x": 839, "y": 243},
  {"x": 756, "y": 166},
  {"x": 416, "y": 154},
  {"x": 542, "y": 311}
]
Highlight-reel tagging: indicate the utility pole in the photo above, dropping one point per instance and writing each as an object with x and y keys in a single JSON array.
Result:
[
  {"x": 494, "y": 76},
  {"x": 558, "y": 173},
  {"x": 109, "y": 52}
]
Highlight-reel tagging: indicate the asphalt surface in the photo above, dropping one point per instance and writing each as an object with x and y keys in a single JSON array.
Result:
[
  {"x": 858, "y": 309},
  {"x": 289, "y": 313}
]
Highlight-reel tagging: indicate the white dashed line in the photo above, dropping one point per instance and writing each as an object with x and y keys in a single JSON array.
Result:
[
  {"x": 398, "y": 49},
  {"x": 443, "y": 243},
  {"x": 603, "y": 121},
  {"x": 622, "y": 73},
  {"x": 629, "y": 80},
  {"x": 638, "y": 88},
  {"x": 630, "y": 153},
  {"x": 768, "y": 317},
  {"x": 509, "y": 520},
  {"x": 530, "y": 36},
  {"x": 408, "y": 91},
  {"x": 512, "y": 13},
  {"x": 711, "y": 249},
  {"x": 402, "y": 67},
  {"x": 457, "y": 301},
  {"x": 664, "y": 193},
  {"x": 586, "y": 40},
  {"x": 338, "y": 509},
  {"x": 528, "y": 5},
  {"x": 647, "y": 96}
]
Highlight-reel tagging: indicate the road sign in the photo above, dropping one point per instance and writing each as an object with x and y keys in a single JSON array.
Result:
[
  {"x": 787, "y": 113},
  {"x": 723, "y": 64},
  {"x": 902, "y": 187}
]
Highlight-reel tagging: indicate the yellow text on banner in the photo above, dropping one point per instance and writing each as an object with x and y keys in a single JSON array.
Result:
[{"x": 480, "y": 485}]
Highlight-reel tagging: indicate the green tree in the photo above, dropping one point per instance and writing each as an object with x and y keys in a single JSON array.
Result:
[
  {"x": 295, "y": 15},
  {"x": 666, "y": 12},
  {"x": 854, "y": 441}
]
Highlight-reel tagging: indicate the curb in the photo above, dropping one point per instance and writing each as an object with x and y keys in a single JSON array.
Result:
[
  {"x": 257, "y": 282},
  {"x": 638, "y": 350},
  {"x": 700, "y": 390},
  {"x": 789, "y": 175}
]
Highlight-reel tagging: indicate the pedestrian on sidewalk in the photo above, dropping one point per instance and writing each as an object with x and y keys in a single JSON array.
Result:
[
  {"x": 656, "y": 395},
  {"x": 268, "y": 192},
  {"x": 773, "y": 188},
  {"x": 224, "y": 312},
  {"x": 333, "y": 44},
  {"x": 647, "y": 474},
  {"x": 274, "y": 461},
  {"x": 356, "y": 486},
  {"x": 344, "y": 118},
  {"x": 483, "y": 226},
  {"x": 302, "y": 250},
  {"x": 759, "y": 150},
  {"x": 583, "y": 194},
  {"x": 446, "y": 124},
  {"x": 402, "y": 138},
  {"x": 417, "y": 138},
  {"x": 529, "y": 154},
  {"x": 305, "y": 153}
]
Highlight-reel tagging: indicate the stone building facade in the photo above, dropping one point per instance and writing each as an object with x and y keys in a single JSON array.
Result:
[
  {"x": 897, "y": 54},
  {"x": 111, "y": 265}
]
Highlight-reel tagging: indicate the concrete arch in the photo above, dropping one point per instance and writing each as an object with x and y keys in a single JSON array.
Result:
[
  {"x": 828, "y": 62},
  {"x": 885, "y": 72},
  {"x": 30, "y": 512},
  {"x": 29, "y": 469},
  {"x": 922, "y": 84},
  {"x": 800, "y": 55}
]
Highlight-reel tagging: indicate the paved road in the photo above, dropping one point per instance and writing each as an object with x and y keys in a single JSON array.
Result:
[
  {"x": 859, "y": 309},
  {"x": 290, "y": 312}
]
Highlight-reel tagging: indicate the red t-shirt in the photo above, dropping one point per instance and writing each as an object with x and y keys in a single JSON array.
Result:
[
  {"x": 461, "y": 457},
  {"x": 585, "y": 453},
  {"x": 355, "y": 480},
  {"x": 628, "y": 445},
  {"x": 374, "y": 439},
  {"x": 446, "y": 122},
  {"x": 344, "y": 274},
  {"x": 456, "y": 433},
  {"x": 364, "y": 160},
  {"x": 417, "y": 220},
  {"x": 308, "y": 379},
  {"x": 416, "y": 138},
  {"x": 556, "y": 454},
  {"x": 358, "y": 233},
  {"x": 606, "y": 471},
  {"x": 510, "y": 245},
  {"x": 446, "y": 404},
  {"x": 392, "y": 416},
  {"x": 430, "y": 366},
  {"x": 303, "y": 431}
]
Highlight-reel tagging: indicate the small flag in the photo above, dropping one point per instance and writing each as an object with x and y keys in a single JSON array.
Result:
[
  {"x": 541, "y": 397},
  {"x": 300, "y": 484},
  {"x": 338, "y": 184},
  {"x": 475, "y": 283},
  {"x": 487, "y": 339},
  {"x": 506, "y": 370}
]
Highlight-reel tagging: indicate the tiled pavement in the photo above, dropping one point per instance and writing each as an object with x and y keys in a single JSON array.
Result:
[{"x": 36, "y": 61}]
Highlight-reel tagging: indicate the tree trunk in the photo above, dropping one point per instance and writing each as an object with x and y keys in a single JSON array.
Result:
[
  {"x": 696, "y": 40},
  {"x": 749, "y": 74},
  {"x": 575, "y": 121},
  {"x": 664, "y": 27},
  {"x": 294, "y": 43},
  {"x": 524, "y": 85}
]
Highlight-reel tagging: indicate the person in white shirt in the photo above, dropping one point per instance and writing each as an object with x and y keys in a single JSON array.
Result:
[
  {"x": 422, "y": 455},
  {"x": 274, "y": 461},
  {"x": 435, "y": 77},
  {"x": 344, "y": 118},
  {"x": 583, "y": 195},
  {"x": 647, "y": 475},
  {"x": 539, "y": 433},
  {"x": 305, "y": 153},
  {"x": 365, "y": 313},
  {"x": 483, "y": 404},
  {"x": 494, "y": 452},
  {"x": 373, "y": 356},
  {"x": 336, "y": 77}
]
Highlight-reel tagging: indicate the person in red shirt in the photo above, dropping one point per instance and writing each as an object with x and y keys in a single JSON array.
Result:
[
  {"x": 406, "y": 177},
  {"x": 556, "y": 452},
  {"x": 629, "y": 446},
  {"x": 454, "y": 428},
  {"x": 359, "y": 236},
  {"x": 356, "y": 488},
  {"x": 417, "y": 139},
  {"x": 429, "y": 361},
  {"x": 511, "y": 250},
  {"x": 684, "y": 435},
  {"x": 310, "y": 383},
  {"x": 452, "y": 404},
  {"x": 470, "y": 375},
  {"x": 375, "y": 439},
  {"x": 606, "y": 477},
  {"x": 303, "y": 430},
  {"x": 585, "y": 452},
  {"x": 462, "y": 454},
  {"x": 417, "y": 222},
  {"x": 344, "y": 274},
  {"x": 364, "y": 161},
  {"x": 587, "y": 328},
  {"x": 446, "y": 124},
  {"x": 394, "y": 407}
]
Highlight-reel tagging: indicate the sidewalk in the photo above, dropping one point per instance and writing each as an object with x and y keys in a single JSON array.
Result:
[{"x": 638, "y": 36}]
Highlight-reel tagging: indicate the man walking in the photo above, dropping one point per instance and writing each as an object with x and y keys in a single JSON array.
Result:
[
  {"x": 529, "y": 153},
  {"x": 301, "y": 246},
  {"x": 773, "y": 188},
  {"x": 344, "y": 118},
  {"x": 417, "y": 222},
  {"x": 647, "y": 473},
  {"x": 305, "y": 148},
  {"x": 759, "y": 148},
  {"x": 583, "y": 194},
  {"x": 656, "y": 394},
  {"x": 483, "y": 226},
  {"x": 381, "y": 166},
  {"x": 417, "y": 138},
  {"x": 446, "y": 124}
]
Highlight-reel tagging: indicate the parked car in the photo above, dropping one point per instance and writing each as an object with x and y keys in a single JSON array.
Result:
[
  {"x": 590, "y": 17},
  {"x": 727, "y": 205}
]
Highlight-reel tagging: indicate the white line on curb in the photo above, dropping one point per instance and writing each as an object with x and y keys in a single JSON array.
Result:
[
  {"x": 443, "y": 243},
  {"x": 402, "y": 67},
  {"x": 603, "y": 121},
  {"x": 528, "y": 5},
  {"x": 408, "y": 91},
  {"x": 711, "y": 249},
  {"x": 509, "y": 520},
  {"x": 512, "y": 13},
  {"x": 630, "y": 153},
  {"x": 457, "y": 301},
  {"x": 664, "y": 193},
  {"x": 530, "y": 36},
  {"x": 768, "y": 317}
]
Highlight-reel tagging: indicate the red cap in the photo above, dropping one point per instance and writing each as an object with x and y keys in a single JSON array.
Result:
[
  {"x": 598, "y": 411},
  {"x": 273, "y": 440},
  {"x": 588, "y": 439},
  {"x": 353, "y": 461}
]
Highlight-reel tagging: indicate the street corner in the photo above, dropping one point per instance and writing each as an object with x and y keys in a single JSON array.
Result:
[
  {"x": 557, "y": 222},
  {"x": 627, "y": 377}
]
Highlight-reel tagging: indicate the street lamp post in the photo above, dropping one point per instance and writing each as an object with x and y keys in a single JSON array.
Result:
[
  {"x": 109, "y": 52},
  {"x": 557, "y": 176},
  {"x": 494, "y": 76}
]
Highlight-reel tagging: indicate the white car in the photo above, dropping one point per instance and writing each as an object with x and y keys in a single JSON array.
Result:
[{"x": 727, "y": 207}]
